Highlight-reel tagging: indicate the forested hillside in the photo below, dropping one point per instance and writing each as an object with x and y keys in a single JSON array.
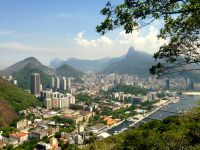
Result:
[{"x": 12, "y": 100}]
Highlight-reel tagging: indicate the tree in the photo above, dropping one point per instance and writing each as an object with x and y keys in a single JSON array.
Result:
[{"x": 181, "y": 27}]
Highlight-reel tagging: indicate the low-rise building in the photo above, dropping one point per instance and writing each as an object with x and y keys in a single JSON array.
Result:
[
  {"x": 22, "y": 124},
  {"x": 97, "y": 127},
  {"x": 19, "y": 136}
]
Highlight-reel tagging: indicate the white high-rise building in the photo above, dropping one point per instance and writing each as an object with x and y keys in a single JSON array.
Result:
[
  {"x": 71, "y": 98},
  {"x": 57, "y": 83},
  {"x": 48, "y": 103},
  {"x": 69, "y": 84},
  {"x": 59, "y": 100},
  {"x": 52, "y": 86},
  {"x": 64, "y": 84}
]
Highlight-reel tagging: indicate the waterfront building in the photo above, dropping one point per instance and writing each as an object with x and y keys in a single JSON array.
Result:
[{"x": 167, "y": 84}]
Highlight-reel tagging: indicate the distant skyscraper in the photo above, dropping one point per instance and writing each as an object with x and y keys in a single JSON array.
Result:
[
  {"x": 69, "y": 84},
  {"x": 35, "y": 84},
  {"x": 57, "y": 83},
  {"x": 52, "y": 83},
  {"x": 167, "y": 84},
  {"x": 191, "y": 85},
  {"x": 64, "y": 84}
]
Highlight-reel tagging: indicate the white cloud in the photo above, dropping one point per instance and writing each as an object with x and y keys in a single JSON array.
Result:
[
  {"x": 143, "y": 40},
  {"x": 99, "y": 42},
  {"x": 147, "y": 42},
  {"x": 84, "y": 42}
]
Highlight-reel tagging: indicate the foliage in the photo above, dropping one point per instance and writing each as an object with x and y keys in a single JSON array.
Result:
[
  {"x": 181, "y": 24},
  {"x": 148, "y": 104},
  {"x": 29, "y": 145},
  {"x": 69, "y": 125},
  {"x": 121, "y": 113},
  {"x": 94, "y": 119},
  {"x": 16, "y": 97},
  {"x": 129, "y": 89},
  {"x": 72, "y": 147},
  {"x": 161, "y": 94},
  {"x": 7, "y": 131},
  {"x": 63, "y": 120},
  {"x": 68, "y": 71},
  {"x": 87, "y": 99}
]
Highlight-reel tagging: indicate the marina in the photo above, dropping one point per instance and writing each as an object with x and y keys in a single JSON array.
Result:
[{"x": 168, "y": 109}]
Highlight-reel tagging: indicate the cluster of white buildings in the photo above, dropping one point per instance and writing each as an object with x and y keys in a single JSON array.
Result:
[
  {"x": 57, "y": 99},
  {"x": 60, "y": 83},
  {"x": 121, "y": 96}
]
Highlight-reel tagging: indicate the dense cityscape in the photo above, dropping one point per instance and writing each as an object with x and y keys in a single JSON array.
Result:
[{"x": 76, "y": 112}]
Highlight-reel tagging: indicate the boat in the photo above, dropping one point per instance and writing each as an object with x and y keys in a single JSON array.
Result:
[
  {"x": 175, "y": 99},
  {"x": 123, "y": 129},
  {"x": 115, "y": 132}
]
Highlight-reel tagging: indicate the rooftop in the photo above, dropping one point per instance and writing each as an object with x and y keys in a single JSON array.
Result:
[{"x": 18, "y": 134}]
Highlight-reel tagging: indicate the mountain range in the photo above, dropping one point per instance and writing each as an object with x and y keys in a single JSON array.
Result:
[
  {"x": 134, "y": 62},
  {"x": 21, "y": 71}
]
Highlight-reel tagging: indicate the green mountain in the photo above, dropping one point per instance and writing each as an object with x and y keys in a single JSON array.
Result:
[
  {"x": 12, "y": 100},
  {"x": 68, "y": 71},
  {"x": 23, "y": 76},
  {"x": 135, "y": 62},
  {"x": 28, "y": 61},
  {"x": 22, "y": 71}
]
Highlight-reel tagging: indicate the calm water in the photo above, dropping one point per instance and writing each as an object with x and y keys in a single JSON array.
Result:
[{"x": 186, "y": 103}]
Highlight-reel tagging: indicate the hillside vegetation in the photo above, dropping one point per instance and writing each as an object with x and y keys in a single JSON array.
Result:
[
  {"x": 12, "y": 100},
  {"x": 130, "y": 89},
  {"x": 173, "y": 133},
  {"x": 24, "y": 76},
  {"x": 7, "y": 114},
  {"x": 68, "y": 71}
]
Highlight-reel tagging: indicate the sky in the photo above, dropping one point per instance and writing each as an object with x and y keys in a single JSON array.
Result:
[{"x": 48, "y": 29}]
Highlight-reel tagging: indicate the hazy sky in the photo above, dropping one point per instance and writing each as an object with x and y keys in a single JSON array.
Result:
[{"x": 47, "y": 29}]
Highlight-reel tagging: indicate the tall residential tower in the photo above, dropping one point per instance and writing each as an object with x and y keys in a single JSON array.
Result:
[{"x": 35, "y": 84}]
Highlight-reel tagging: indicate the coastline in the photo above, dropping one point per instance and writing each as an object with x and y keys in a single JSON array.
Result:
[{"x": 141, "y": 117}]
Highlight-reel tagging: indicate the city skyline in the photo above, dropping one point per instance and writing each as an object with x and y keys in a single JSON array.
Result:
[{"x": 46, "y": 30}]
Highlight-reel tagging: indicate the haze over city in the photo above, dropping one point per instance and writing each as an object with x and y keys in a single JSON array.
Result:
[{"x": 64, "y": 29}]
